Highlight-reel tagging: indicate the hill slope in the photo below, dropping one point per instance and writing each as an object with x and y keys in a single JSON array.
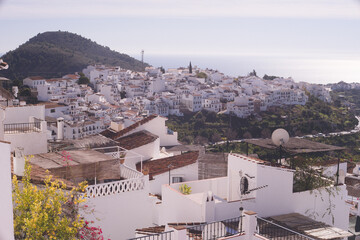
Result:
[
  {"x": 53, "y": 54},
  {"x": 316, "y": 116}
]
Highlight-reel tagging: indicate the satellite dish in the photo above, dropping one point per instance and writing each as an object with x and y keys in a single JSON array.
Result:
[{"x": 280, "y": 137}]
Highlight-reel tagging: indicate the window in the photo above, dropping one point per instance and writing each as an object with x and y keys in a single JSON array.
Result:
[
  {"x": 52, "y": 110},
  {"x": 177, "y": 179}
]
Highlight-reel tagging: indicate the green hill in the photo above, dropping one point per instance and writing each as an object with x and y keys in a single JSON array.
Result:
[
  {"x": 54, "y": 54},
  {"x": 314, "y": 117}
]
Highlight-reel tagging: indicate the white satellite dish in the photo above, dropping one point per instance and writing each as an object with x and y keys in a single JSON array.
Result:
[{"x": 280, "y": 137}]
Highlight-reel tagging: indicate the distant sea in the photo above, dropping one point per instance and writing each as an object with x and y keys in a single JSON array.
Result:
[{"x": 311, "y": 70}]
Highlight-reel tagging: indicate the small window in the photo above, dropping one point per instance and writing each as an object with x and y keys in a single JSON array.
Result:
[
  {"x": 177, "y": 179},
  {"x": 52, "y": 110}
]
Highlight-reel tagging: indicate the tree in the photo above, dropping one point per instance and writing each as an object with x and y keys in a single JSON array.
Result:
[
  {"x": 253, "y": 73},
  {"x": 50, "y": 212},
  {"x": 267, "y": 77},
  {"x": 247, "y": 135},
  {"x": 201, "y": 75},
  {"x": 123, "y": 94},
  {"x": 215, "y": 138},
  {"x": 190, "y": 68},
  {"x": 83, "y": 79}
]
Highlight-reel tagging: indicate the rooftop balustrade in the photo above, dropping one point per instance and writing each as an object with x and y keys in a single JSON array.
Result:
[
  {"x": 14, "y": 128},
  {"x": 159, "y": 236},
  {"x": 271, "y": 230},
  {"x": 215, "y": 230},
  {"x": 118, "y": 187}
]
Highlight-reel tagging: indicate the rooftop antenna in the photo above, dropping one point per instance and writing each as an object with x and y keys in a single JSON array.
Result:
[
  {"x": 280, "y": 137},
  {"x": 142, "y": 58}
]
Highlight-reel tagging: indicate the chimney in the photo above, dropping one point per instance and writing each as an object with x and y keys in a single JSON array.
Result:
[
  {"x": 60, "y": 129},
  {"x": 19, "y": 162},
  {"x": 117, "y": 124},
  {"x": 15, "y": 91}
]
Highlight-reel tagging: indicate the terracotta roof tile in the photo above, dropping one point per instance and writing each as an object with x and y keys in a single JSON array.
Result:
[
  {"x": 115, "y": 135},
  {"x": 36, "y": 78},
  {"x": 137, "y": 139},
  {"x": 159, "y": 166}
]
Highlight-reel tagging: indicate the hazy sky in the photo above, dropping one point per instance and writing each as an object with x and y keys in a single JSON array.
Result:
[{"x": 318, "y": 39}]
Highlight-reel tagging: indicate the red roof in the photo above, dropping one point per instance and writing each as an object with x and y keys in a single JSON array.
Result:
[
  {"x": 137, "y": 139},
  {"x": 159, "y": 166},
  {"x": 36, "y": 78}
]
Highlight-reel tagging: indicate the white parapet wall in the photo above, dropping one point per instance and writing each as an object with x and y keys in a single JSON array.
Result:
[
  {"x": 325, "y": 205},
  {"x": 32, "y": 142},
  {"x": 121, "y": 207},
  {"x": 6, "y": 208}
]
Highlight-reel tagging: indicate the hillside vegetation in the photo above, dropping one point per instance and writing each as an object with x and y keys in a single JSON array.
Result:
[
  {"x": 54, "y": 54},
  {"x": 316, "y": 116}
]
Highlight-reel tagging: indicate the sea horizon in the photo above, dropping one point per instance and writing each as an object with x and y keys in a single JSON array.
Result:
[{"x": 319, "y": 70}]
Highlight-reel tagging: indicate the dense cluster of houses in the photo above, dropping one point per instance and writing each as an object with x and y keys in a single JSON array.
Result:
[{"x": 119, "y": 93}]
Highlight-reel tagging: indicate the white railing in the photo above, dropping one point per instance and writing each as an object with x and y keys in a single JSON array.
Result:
[
  {"x": 121, "y": 153},
  {"x": 128, "y": 173},
  {"x": 105, "y": 189}
]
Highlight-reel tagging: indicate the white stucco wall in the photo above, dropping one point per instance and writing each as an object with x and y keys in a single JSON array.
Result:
[
  {"x": 323, "y": 205},
  {"x": 6, "y": 208},
  {"x": 188, "y": 173},
  {"x": 119, "y": 215},
  {"x": 21, "y": 114},
  {"x": 58, "y": 111},
  {"x": 157, "y": 127},
  {"x": 32, "y": 143},
  {"x": 330, "y": 171},
  {"x": 148, "y": 151},
  {"x": 274, "y": 199},
  {"x": 177, "y": 207}
]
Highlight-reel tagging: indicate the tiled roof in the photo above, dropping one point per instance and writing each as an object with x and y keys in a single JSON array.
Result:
[
  {"x": 115, "y": 135},
  {"x": 136, "y": 140},
  {"x": 36, "y": 78},
  {"x": 152, "y": 230},
  {"x": 159, "y": 166},
  {"x": 51, "y": 105}
]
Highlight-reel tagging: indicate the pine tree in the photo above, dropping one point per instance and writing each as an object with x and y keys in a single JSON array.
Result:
[{"x": 190, "y": 68}]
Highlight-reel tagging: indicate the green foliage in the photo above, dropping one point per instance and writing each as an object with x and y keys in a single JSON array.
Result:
[
  {"x": 48, "y": 213},
  {"x": 253, "y": 73},
  {"x": 352, "y": 96},
  {"x": 185, "y": 189},
  {"x": 83, "y": 79},
  {"x": 316, "y": 116},
  {"x": 201, "y": 75},
  {"x": 266, "y": 77},
  {"x": 54, "y": 54}
]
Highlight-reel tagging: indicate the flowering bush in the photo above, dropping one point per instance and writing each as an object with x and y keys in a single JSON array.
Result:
[{"x": 49, "y": 212}]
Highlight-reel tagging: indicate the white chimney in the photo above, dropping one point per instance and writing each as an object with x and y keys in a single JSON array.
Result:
[
  {"x": 19, "y": 162},
  {"x": 60, "y": 128},
  {"x": 117, "y": 124},
  {"x": 15, "y": 90}
]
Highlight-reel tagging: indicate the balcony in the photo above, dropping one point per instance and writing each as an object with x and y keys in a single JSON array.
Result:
[{"x": 14, "y": 128}]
